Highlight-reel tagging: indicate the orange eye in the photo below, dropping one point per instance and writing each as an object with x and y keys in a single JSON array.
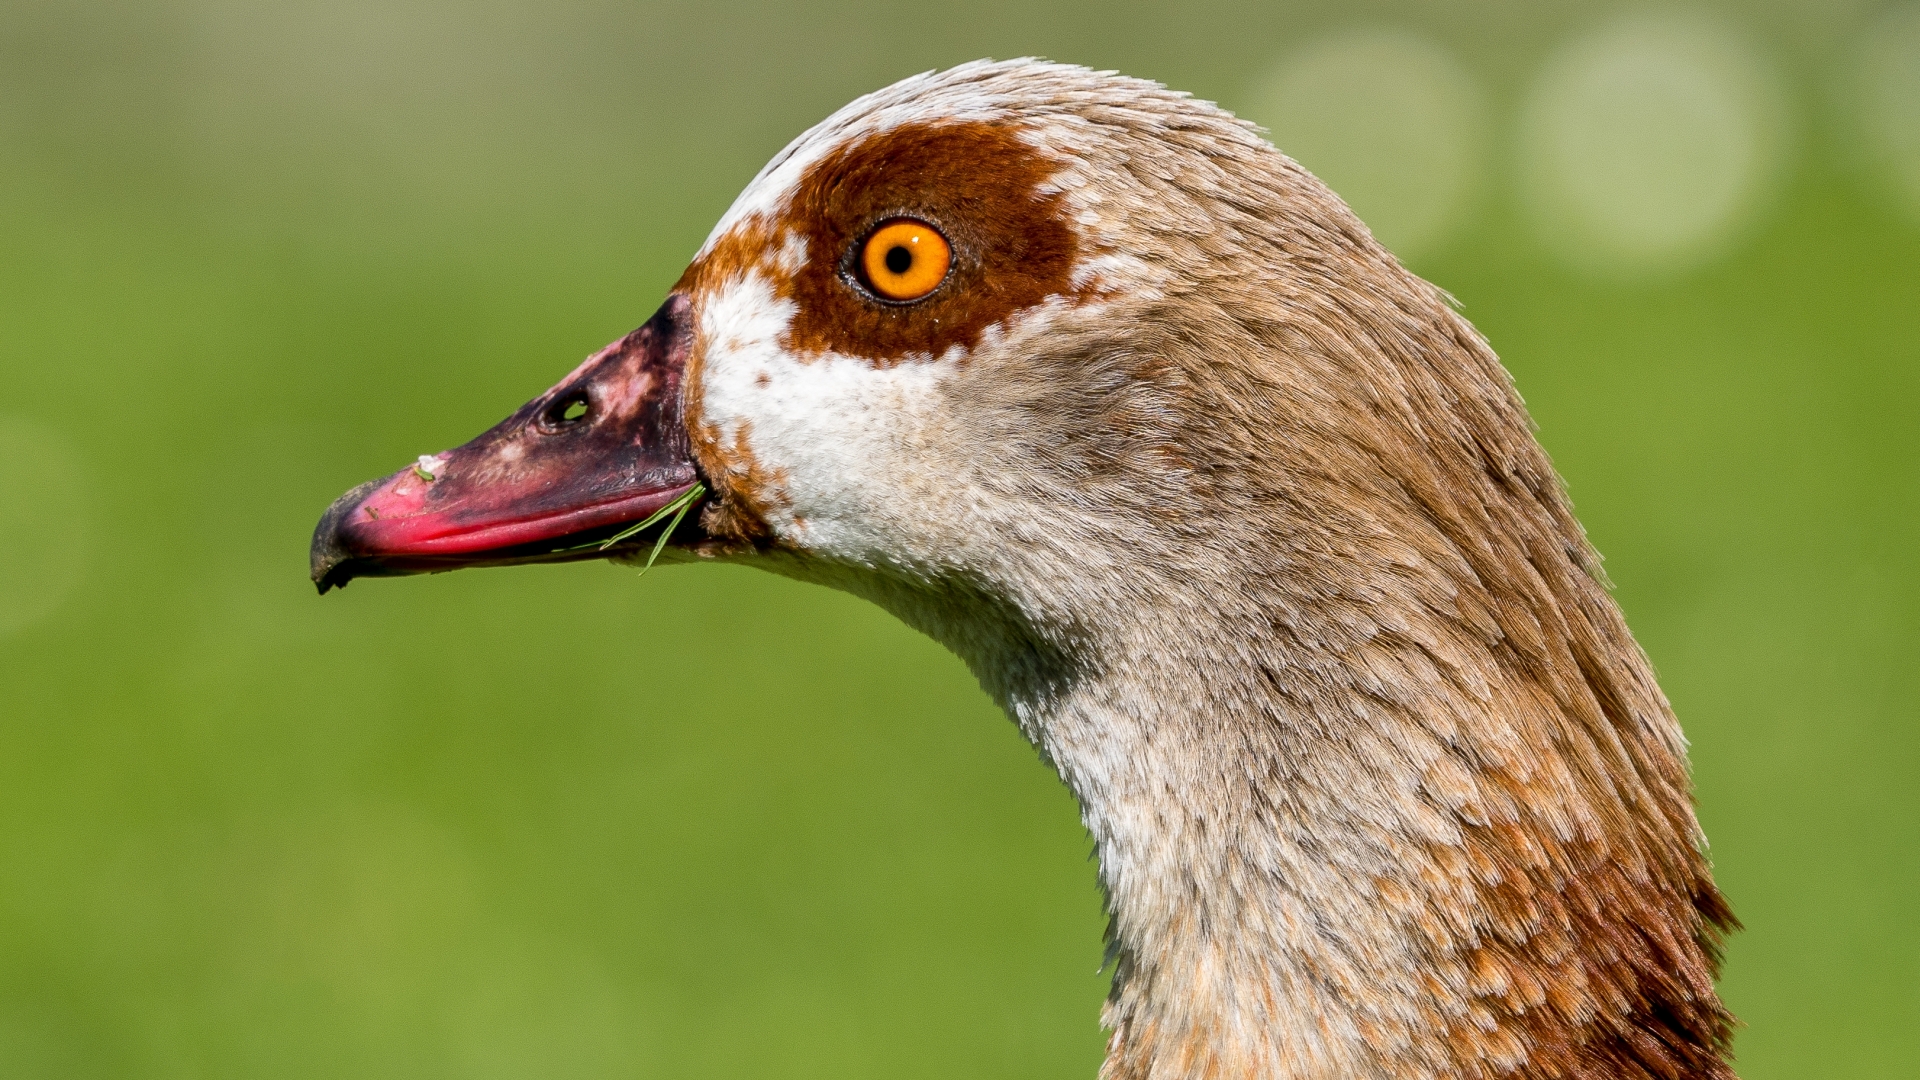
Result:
[{"x": 905, "y": 259}]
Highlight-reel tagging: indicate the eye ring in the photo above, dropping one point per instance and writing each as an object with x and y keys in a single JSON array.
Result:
[{"x": 903, "y": 260}]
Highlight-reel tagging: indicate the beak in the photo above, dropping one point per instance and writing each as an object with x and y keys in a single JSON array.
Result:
[{"x": 603, "y": 450}]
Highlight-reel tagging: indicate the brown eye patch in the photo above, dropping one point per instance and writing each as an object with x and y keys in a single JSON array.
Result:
[{"x": 980, "y": 186}]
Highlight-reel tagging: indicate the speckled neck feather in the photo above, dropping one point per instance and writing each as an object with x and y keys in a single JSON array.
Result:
[{"x": 1248, "y": 530}]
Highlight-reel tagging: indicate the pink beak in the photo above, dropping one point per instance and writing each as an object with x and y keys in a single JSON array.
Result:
[{"x": 604, "y": 449}]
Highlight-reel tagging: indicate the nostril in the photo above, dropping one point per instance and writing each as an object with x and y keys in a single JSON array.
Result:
[{"x": 570, "y": 409}]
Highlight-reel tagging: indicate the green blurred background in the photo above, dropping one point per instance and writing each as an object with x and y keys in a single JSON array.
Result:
[{"x": 561, "y": 822}]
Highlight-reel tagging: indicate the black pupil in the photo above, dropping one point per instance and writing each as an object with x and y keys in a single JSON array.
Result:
[{"x": 899, "y": 259}]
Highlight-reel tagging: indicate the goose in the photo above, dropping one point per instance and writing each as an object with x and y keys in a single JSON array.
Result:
[{"x": 1241, "y": 523}]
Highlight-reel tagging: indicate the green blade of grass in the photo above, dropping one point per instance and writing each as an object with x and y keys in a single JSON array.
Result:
[
  {"x": 685, "y": 505},
  {"x": 678, "y": 508}
]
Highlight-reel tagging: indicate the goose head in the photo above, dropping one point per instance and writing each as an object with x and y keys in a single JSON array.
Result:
[{"x": 1240, "y": 522}]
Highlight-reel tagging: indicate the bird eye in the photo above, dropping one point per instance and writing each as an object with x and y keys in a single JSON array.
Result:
[{"x": 905, "y": 259}]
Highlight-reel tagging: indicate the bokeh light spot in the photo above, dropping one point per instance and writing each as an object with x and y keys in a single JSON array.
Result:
[
  {"x": 1389, "y": 120},
  {"x": 42, "y": 521},
  {"x": 1646, "y": 145},
  {"x": 1888, "y": 70}
]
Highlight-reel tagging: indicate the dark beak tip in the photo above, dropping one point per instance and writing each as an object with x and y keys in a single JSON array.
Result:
[
  {"x": 326, "y": 580},
  {"x": 330, "y": 559}
]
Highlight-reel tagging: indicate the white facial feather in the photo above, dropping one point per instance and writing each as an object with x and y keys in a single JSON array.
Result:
[{"x": 837, "y": 431}]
